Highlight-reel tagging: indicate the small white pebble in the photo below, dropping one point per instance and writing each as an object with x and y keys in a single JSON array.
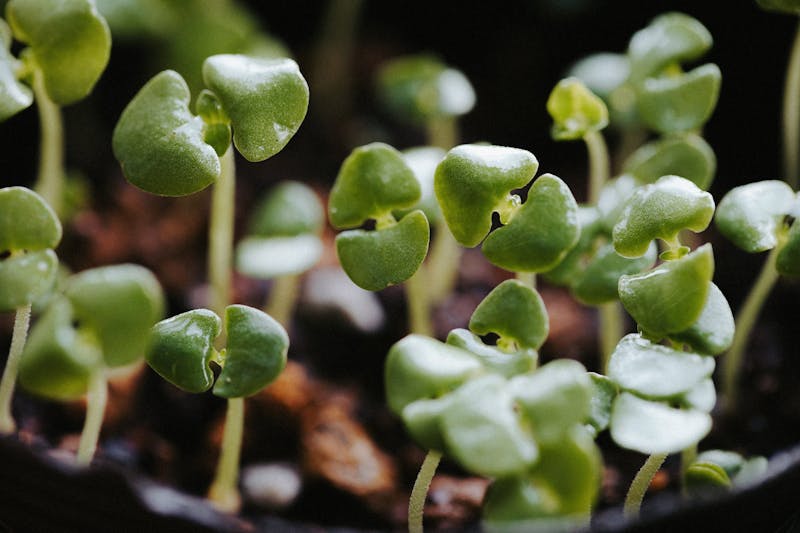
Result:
[{"x": 271, "y": 485}]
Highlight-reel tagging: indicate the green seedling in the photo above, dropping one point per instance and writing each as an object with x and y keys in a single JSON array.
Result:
[
  {"x": 101, "y": 322},
  {"x": 67, "y": 46},
  {"x": 715, "y": 471},
  {"x": 27, "y": 272},
  {"x": 758, "y": 217},
  {"x": 182, "y": 352},
  {"x": 283, "y": 241}
]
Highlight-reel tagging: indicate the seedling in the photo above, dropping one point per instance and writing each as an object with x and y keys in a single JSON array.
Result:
[
  {"x": 282, "y": 243},
  {"x": 27, "y": 270},
  {"x": 182, "y": 350},
  {"x": 101, "y": 322},
  {"x": 67, "y": 49},
  {"x": 714, "y": 471}
]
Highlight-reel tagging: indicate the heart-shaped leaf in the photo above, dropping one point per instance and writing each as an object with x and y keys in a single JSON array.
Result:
[
  {"x": 493, "y": 358},
  {"x": 654, "y": 427},
  {"x": 575, "y": 110},
  {"x": 255, "y": 354},
  {"x": 751, "y": 215},
  {"x": 598, "y": 283},
  {"x": 377, "y": 259},
  {"x": 70, "y": 42},
  {"x": 668, "y": 39},
  {"x": 267, "y": 258},
  {"x": 701, "y": 477},
  {"x": 661, "y": 211},
  {"x": 511, "y": 501},
  {"x": 419, "y": 367},
  {"x": 119, "y": 304},
  {"x": 604, "y": 391},
  {"x": 422, "y": 418},
  {"x": 687, "y": 155},
  {"x": 515, "y": 312},
  {"x": 474, "y": 180},
  {"x": 738, "y": 469},
  {"x": 554, "y": 398},
  {"x": 713, "y": 332},
  {"x": 160, "y": 143},
  {"x": 14, "y": 95},
  {"x": 41, "y": 229},
  {"x": 482, "y": 430},
  {"x": 602, "y": 73},
  {"x": 25, "y": 277},
  {"x": 683, "y": 103},
  {"x": 782, "y": 6},
  {"x": 266, "y": 100},
  {"x": 787, "y": 262},
  {"x": 669, "y": 298},
  {"x": 572, "y": 265},
  {"x": 58, "y": 359},
  {"x": 655, "y": 371},
  {"x": 291, "y": 208},
  {"x": 182, "y": 347},
  {"x": 373, "y": 181},
  {"x": 541, "y": 233}
]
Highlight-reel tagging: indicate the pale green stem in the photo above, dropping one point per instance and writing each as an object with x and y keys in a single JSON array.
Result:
[
  {"x": 640, "y": 483},
  {"x": 96, "y": 400},
  {"x": 19, "y": 335},
  {"x": 612, "y": 328},
  {"x": 528, "y": 278},
  {"x": 745, "y": 320},
  {"x": 50, "y": 179},
  {"x": 443, "y": 264},
  {"x": 598, "y": 164},
  {"x": 443, "y": 132},
  {"x": 791, "y": 114},
  {"x": 220, "y": 235},
  {"x": 418, "y": 302},
  {"x": 224, "y": 492},
  {"x": 688, "y": 456},
  {"x": 282, "y": 297},
  {"x": 416, "y": 503},
  {"x": 630, "y": 139}
]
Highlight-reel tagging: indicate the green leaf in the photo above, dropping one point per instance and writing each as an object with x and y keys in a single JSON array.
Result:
[
  {"x": 419, "y": 367},
  {"x": 512, "y": 501},
  {"x": 26, "y": 277},
  {"x": 598, "y": 283},
  {"x": 70, "y": 42},
  {"x": 373, "y": 181},
  {"x": 474, "y": 180},
  {"x": 266, "y": 100},
  {"x": 182, "y": 347},
  {"x": 604, "y": 391},
  {"x": 493, "y": 358},
  {"x": 654, "y": 371},
  {"x": 422, "y": 420},
  {"x": 119, "y": 304},
  {"x": 751, "y": 215},
  {"x": 160, "y": 144},
  {"x": 267, "y": 258},
  {"x": 515, "y": 312},
  {"x": 377, "y": 259},
  {"x": 661, "y": 211},
  {"x": 217, "y": 130},
  {"x": 291, "y": 208},
  {"x": 685, "y": 155},
  {"x": 482, "y": 431},
  {"x": 654, "y": 427},
  {"x": 701, "y": 477},
  {"x": 255, "y": 355},
  {"x": 782, "y": 6},
  {"x": 729, "y": 462},
  {"x": 788, "y": 261},
  {"x": 669, "y": 298},
  {"x": 702, "y": 397},
  {"x": 669, "y": 39},
  {"x": 573, "y": 264},
  {"x": 683, "y": 103},
  {"x": 713, "y": 332},
  {"x": 421, "y": 88},
  {"x": 59, "y": 359},
  {"x": 554, "y": 398},
  {"x": 602, "y": 73},
  {"x": 575, "y": 110},
  {"x": 541, "y": 232},
  {"x": 14, "y": 96},
  {"x": 613, "y": 197},
  {"x": 41, "y": 229}
]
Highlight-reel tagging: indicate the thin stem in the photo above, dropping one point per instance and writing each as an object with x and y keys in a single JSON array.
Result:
[
  {"x": 791, "y": 114},
  {"x": 640, "y": 483},
  {"x": 612, "y": 328},
  {"x": 50, "y": 179},
  {"x": 19, "y": 335},
  {"x": 220, "y": 235},
  {"x": 528, "y": 278},
  {"x": 416, "y": 503},
  {"x": 630, "y": 139},
  {"x": 443, "y": 264},
  {"x": 95, "y": 409},
  {"x": 418, "y": 302},
  {"x": 598, "y": 164},
  {"x": 688, "y": 456},
  {"x": 443, "y": 132},
  {"x": 282, "y": 297},
  {"x": 224, "y": 492},
  {"x": 745, "y": 320}
]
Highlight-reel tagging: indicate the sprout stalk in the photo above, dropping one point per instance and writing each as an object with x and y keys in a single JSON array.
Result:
[
  {"x": 50, "y": 179},
  {"x": 418, "y": 302},
  {"x": 791, "y": 114},
  {"x": 598, "y": 164},
  {"x": 223, "y": 491},
  {"x": 220, "y": 237},
  {"x": 96, "y": 400},
  {"x": 416, "y": 503},
  {"x": 443, "y": 264},
  {"x": 612, "y": 328},
  {"x": 282, "y": 298},
  {"x": 18, "y": 337},
  {"x": 640, "y": 483}
]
